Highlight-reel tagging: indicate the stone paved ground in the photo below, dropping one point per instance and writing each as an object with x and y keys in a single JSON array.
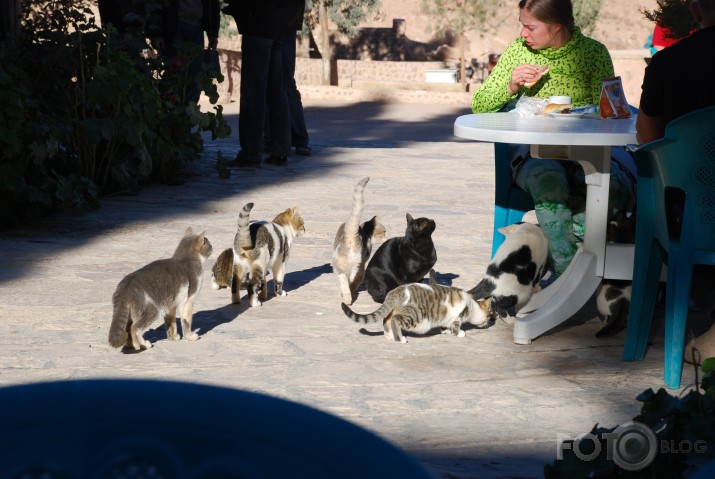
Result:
[{"x": 474, "y": 407}]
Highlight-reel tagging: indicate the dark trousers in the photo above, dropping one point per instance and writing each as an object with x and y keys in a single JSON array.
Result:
[
  {"x": 298, "y": 130},
  {"x": 261, "y": 79}
]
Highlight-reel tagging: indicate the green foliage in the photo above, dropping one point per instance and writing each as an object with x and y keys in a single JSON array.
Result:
[
  {"x": 345, "y": 14},
  {"x": 85, "y": 115},
  {"x": 673, "y": 15},
  {"x": 464, "y": 15},
  {"x": 585, "y": 13},
  {"x": 680, "y": 425}
]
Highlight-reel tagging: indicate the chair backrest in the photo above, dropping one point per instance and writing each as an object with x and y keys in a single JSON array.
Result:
[{"x": 682, "y": 169}]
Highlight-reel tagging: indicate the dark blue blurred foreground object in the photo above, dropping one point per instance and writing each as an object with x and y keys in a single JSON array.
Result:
[{"x": 157, "y": 429}]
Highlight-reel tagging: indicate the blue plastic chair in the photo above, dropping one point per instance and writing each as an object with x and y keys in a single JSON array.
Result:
[
  {"x": 677, "y": 168},
  {"x": 145, "y": 428},
  {"x": 511, "y": 203}
]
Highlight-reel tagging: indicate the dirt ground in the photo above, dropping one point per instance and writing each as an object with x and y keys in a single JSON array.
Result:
[{"x": 620, "y": 24}]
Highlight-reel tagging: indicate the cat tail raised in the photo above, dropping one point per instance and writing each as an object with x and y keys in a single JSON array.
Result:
[
  {"x": 243, "y": 233},
  {"x": 353, "y": 224},
  {"x": 118, "y": 330},
  {"x": 378, "y": 315}
]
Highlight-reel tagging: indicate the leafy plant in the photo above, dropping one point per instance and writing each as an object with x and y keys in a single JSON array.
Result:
[
  {"x": 684, "y": 428},
  {"x": 674, "y": 16},
  {"x": 586, "y": 13},
  {"x": 86, "y": 114}
]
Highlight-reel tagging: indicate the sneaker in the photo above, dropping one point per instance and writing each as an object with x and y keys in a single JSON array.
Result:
[
  {"x": 303, "y": 151},
  {"x": 277, "y": 160}
]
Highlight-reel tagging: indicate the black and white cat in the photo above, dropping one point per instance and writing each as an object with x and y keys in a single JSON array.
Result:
[
  {"x": 613, "y": 297},
  {"x": 420, "y": 307},
  {"x": 613, "y": 300},
  {"x": 514, "y": 273},
  {"x": 402, "y": 260}
]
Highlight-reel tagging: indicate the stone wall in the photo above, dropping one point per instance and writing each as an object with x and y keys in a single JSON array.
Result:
[{"x": 360, "y": 80}]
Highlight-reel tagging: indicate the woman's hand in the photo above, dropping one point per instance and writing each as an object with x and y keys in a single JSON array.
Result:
[{"x": 525, "y": 74}]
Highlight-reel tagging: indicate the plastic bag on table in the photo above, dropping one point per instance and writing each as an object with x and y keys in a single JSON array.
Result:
[{"x": 530, "y": 106}]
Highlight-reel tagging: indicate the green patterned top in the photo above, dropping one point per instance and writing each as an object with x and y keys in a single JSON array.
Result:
[{"x": 577, "y": 70}]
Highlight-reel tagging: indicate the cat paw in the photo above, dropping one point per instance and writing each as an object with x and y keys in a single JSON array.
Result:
[
  {"x": 191, "y": 336},
  {"x": 174, "y": 336},
  {"x": 254, "y": 302},
  {"x": 461, "y": 334},
  {"x": 281, "y": 293},
  {"x": 403, "y": 340}
]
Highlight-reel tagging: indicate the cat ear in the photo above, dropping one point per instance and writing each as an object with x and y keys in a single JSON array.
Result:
[
  {"x": 505, "y": 230},
  {"x": 409, "y": 218},
  {"x": 188, "y": 231}
]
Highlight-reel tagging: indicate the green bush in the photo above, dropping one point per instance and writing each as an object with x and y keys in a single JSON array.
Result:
[
  {"x": 684, "y": 429},
  {"x": 86, "y": 115}
]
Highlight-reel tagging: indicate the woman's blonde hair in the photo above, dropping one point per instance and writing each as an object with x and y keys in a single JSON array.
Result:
[{"x": 550, "y": 11}]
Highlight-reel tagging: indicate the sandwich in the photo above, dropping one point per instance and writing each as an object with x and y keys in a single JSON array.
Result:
[
  {"x": 557, "y": 108},
  {"x": 530, "y": 84}
]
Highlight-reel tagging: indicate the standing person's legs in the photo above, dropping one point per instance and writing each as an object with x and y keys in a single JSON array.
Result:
[
  {"x": 299, "y": 131},
  {"x": 255, "y": 67},
  {"x": 279, "y": 117},
  {"x": 547, "y": 183}
]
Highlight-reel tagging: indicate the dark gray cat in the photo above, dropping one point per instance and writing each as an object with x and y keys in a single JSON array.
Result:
[{"x": 402, "y": 260}]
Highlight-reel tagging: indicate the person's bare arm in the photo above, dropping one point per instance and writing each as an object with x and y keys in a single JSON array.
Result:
[{"x": 649, "y": 128}]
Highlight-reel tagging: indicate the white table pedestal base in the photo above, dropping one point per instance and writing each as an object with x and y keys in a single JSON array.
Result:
[{"x": 561, "y": 299}]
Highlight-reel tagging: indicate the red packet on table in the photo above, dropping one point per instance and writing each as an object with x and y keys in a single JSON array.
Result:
[{"x": 613, "y": 102}]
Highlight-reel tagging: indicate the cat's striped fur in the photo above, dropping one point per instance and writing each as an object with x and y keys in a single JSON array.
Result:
[
  {"x": 259, "y": 247},
  {"x": 353, "y": 244},
  {"x": 420, "y": 307}
]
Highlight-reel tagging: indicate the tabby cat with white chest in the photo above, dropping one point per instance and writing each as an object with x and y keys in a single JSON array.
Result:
[
  {"x": 514, "y": 273},
  {"x": 402, "y": 260},
  {"x": 419, "y": 307},
  {"x": 158, "y": 291},
  {"x": 353, "y": 244},
  {"x": 258, "y": 247}
]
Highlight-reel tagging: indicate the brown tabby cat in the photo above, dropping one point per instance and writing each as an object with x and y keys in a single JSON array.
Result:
[
  {"x": 419, "y": 307},
  {"x": 160, "y": 290},
  {"x": 353, "y": 245},
  {"x": 258, "y": 247}
]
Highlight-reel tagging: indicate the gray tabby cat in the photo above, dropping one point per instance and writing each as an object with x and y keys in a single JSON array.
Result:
[
  {"x": 258, "y": 247},
  {"x": 420, "y": 307},
  {"x": 353, "y": 244},
  {"x": 514, "y": 273},
  {"x": 160, "y": 290}
]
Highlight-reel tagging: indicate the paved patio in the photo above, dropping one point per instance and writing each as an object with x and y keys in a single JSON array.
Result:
[{"x": 474, "y": 407}]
